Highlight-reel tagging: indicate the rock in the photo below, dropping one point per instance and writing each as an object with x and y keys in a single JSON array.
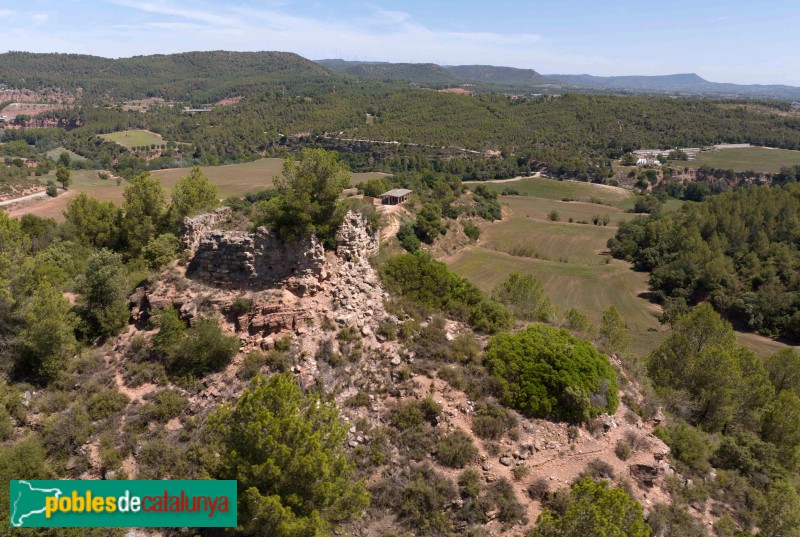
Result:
[
  {"x": 366, "y": 330},
  {"x": 396, "y": 360},
  {"x": 487, "y": 466},
  {"x": 505, "y": 460}
]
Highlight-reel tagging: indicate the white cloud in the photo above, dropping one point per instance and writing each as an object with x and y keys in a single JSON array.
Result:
[{"x": 40, "y": 18}]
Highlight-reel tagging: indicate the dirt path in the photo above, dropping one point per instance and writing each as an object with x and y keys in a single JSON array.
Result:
[
  {"x": 21, "y": 199},
  {"x": 536, "y": 175}
]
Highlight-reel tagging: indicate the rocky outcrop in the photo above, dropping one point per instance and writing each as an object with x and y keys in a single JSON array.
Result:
[
  {"x": 260, "y": 260},
  {"x": 354, "y": 239}
]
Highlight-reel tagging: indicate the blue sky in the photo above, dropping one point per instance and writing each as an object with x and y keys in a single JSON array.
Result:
[{"x": 744, "y": 42}]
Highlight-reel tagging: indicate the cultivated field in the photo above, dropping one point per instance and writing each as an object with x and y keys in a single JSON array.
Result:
[
  {"x": 759, "y": 159},
  {"x": 553, "y": 189},
  {"x": 571, "y": 260},
  {"x": 134, "y": 138},
  {"x": 233, "y": 180},
  {"x": 239, "y": 179},
  {"x": 55, "y": 153}
]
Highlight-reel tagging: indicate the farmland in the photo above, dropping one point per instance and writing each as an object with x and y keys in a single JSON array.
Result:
[
  {"x": 239, "y": 179},
  {"x": 553, "y": 189},
  {"x": 134, "y": 138},
  {"x": 759, "y": 159},
  {"x": 571, "y": 261},
  {"x": 233, "y": 180}
]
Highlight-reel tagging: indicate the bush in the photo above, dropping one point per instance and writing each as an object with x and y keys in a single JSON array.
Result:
[
  {"x": 539, "y": 489},
  {"x": 622, "y": 450},
  {"x": 160, "y": 251},
  {"x": 105, "y": 403},
  {"x": 456, "y": 450},
  {"x": 241, "y": 305},
  {"x": 554, "y": 216},
  {"x": 594, "y": 509},
  {"x": 509, "y": 510},
  {"x": 429, "y": 283},
  {"x": 687, "y": 445},
  {"x": 204, "y": 349},
  {"x": 470, "y": 483},
  {"x": 546, "y": 372},
  {"x": 408, "y": 238},
  {"x": 491, "y": 421},
  {"x": 415, "y": 413},
  {"x": 471, "y": 230},
  {"x": 52, "y": 189},
  {"x": 168, "y": 404}
]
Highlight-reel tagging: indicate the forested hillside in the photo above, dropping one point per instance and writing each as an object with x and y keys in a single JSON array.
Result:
[
  {"x": 738, "y": 250},
  {"x": 421, "y": 73},
  {"x": 190, "y": 76}
]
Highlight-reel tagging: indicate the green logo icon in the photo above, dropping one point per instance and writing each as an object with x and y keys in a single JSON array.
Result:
[{"x": 122, "y": 504}]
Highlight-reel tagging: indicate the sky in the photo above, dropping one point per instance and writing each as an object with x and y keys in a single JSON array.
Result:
[{"x": 741, "y": 42}]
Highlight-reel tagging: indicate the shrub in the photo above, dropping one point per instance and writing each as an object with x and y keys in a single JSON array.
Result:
[
  {"x": 509, "y": 510},
  {"x": 622, "y": 450},
  {"x": 554, "y": 216},
  {"x": 429, "y": 283},
  {"x": 539, "y": 489},
  {"x": 547, "y": 372},
  {"x": 415, "y": 413},
  {"x": 471, "y": 230},
  {"x": 105, "y": 403},
  {"x": 594, "y": 509},
  {"x": 470, "y": 483},
  {"x": 360, "y": 399},
  {"x": 408, "y": 238},
  {"x": 520, "y": 472},
  {"x": 687, "y": 445},
  {"x": 52, "y": 189},
  {"x": 204, "y": 349},
  {"x": 168, "y": 404},
  {"x": 161, "y": 250},
  {"x": 491, "y": 421},
  {"x": 456, "y": 450}
]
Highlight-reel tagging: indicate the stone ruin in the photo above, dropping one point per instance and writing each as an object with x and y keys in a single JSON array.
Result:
[{"x": 260, "y": 260}]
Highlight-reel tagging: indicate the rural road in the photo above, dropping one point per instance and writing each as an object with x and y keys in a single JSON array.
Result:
[
  {"x": 25, "y": 198},
  {"x": 517, "y": 178}
]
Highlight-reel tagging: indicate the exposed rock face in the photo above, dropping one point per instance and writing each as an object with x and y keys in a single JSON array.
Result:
[
  {"x": 354, "y": 240},
  {"x": 259, "y": 260}
]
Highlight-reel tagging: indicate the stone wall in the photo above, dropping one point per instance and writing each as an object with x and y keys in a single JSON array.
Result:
[{"x": 259, "y": 260}]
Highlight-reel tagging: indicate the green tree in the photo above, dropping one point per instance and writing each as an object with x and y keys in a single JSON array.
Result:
[
  {"x": 64, "y": 176},
  {"x": 577, "y": 321},
  {"x": 103, "y": 291},
  {"x": 628, "y": 159},
  {"x": 594, "y": 509},
  {"x": 554, "y": 216},
  {"x": 143, "y": 210},
  {"x": 546, "y": 372},
  {"x": 374, "y": 187},
  {"x": 525, "y": 297},
  {"x": 64, "y": 159},
  {"x": 286, "y": 450},
  {"x": 52, "y": 189},
  {"x": 308, "y": 197},
  {"x": 780, "y": 515},
  {"x": 429, "y": 224},
  {"x": 161, "y": 250},
  {"x": 92, "y": 221},
  {"x": 47, "y": 340},
  {"x": 613, "y": 332},
  {"x": 193, "y": 194},
  {"x": 408, "y": 238},
  {"x": 782, "y": 428},
  {"x": 722, "y": 379},
  {"x": 783, "y": 368}
]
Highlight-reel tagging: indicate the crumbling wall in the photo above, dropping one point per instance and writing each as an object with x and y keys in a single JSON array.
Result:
[{"x": 259, "y": 260}]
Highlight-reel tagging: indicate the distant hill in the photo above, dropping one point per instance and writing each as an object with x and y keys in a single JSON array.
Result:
[
  {"x": 689, "y": 83},
  {"x": 421, "y": 73},
  {"x": 195, "y": 76},
  {"x": 510, "y": 76}
]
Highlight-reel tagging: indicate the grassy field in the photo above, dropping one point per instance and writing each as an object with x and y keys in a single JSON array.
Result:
[
  {"x": 571, "y": 261},
  {"x": 557, "y": 190},
  {"x": 55, "y": 153},
  {"x": 134, "y": 138},
  {"x": 239, "y": 179},
  {"x": 233, "y": 180},
  {"x": 758, "y": 159}
]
